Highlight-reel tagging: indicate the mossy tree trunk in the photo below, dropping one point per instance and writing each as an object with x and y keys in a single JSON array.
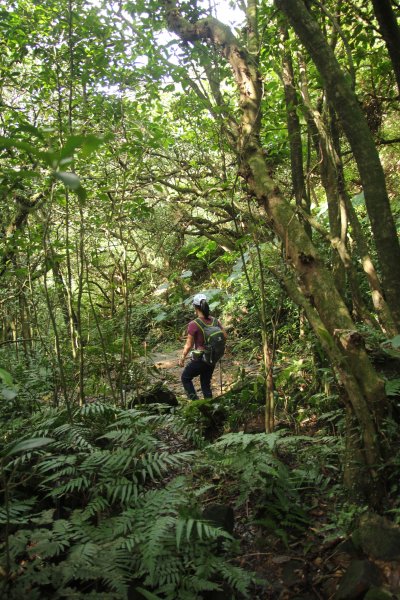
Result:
[
  {"x": 293, "y": 125},
  {"x": 326, "y": 141},
  {"x": 355, "y": 126},
  {"x": 329, "y": 177},
  {"x": 357, "y": 474},
  {"x": 364, "y": 389}
]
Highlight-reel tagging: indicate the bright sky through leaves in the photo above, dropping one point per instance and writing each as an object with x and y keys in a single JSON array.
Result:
[{"x": 227, "y": 14}]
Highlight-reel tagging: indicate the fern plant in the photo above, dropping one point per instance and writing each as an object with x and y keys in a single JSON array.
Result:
[
  {"x": 99, "y": 506},
  {"x": 392, "y": 387},
  {"x": 250, "y": 463}
]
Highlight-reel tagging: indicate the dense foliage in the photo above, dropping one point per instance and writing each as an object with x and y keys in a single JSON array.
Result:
[{"x": 148, "y": 152}]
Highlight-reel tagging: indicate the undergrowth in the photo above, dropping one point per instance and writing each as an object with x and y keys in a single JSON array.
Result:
[
  {"x": 98, "y": 507},
  {"x": 99, "y": 504}
]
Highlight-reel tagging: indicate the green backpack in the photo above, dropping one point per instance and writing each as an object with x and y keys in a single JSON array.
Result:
[{"x": 214, "y": 341}]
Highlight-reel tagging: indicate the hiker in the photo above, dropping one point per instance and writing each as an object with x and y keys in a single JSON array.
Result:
[{"x": 199, "y": 363}]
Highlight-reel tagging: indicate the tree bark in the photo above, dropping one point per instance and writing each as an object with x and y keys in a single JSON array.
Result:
[
  {"x": 25, "y": 207},
  {"x": 364, "y": 388},
  {"x": 382, "y": 309},
  {"x": 293, "y": 125},
  {"x": 359, "y": 473},
  {"x": 327, "y": 143},
  {"x": 329, "y": 176},
  {"x": 355, "y": 126},
  {"x": 390, "y": 30}
]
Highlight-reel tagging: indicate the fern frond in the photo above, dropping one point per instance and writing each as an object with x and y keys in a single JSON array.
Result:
[
  {"x": 245, "y": 440},
  {"x": 96, "y": 409},
  {"x": 122, "y": 490},
  {"x": 84, "y": 553},
  {"x": 18, "y": 512},
  {"x": 94, "y": 506},
  {"x": 73, "y": 436},
  {"x": 392, "y": 387},
  {"x": 77, "y": 484}
]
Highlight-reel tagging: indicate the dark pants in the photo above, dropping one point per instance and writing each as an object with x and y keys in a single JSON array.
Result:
[{"x": 193, "y": 369}]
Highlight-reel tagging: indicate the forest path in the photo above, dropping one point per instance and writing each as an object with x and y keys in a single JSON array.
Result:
[{"x": 228, "y": 371}]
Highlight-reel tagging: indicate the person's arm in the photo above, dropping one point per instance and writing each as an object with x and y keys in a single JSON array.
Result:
[{"x": 186, "y": 349}]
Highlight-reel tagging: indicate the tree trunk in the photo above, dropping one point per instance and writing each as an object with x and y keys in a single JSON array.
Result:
[
  {"x": 384, "y": 315},
  {"x": 293, "y": 125},
  {"x": 355, "y": 126},
  {"x": 327, "y": 145},
  {"x": 390, "y": 30},
  {"x": 360, "y": 475},
  {"x": 364, "y": 388},
  {"x": 329, "y": 176},
  {"x": 24, "y": 208}
]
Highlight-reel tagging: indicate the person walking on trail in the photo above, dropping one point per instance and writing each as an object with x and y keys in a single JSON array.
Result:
[{"x": 198, "y": 366}]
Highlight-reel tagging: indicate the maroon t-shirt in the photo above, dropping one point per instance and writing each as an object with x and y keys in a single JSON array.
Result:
[{"x": 194, "y": 330}]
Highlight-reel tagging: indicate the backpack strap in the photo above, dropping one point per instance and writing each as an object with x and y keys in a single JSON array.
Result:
[{"x": 201, "y": 325}]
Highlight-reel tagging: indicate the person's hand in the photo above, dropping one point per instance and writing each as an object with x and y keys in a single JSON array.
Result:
[{"x": 181, "y": 362}]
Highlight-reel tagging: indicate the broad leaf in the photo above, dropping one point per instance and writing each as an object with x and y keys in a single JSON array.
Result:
[
  {"x": 70, "y": 180},
  {"x": 27, "y": 445},
  {"x": 148, "y": 595},
  {"x": 6, "y": 377}
]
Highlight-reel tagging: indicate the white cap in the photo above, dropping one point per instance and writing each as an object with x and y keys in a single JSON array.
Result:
[{"x": 198, "y": 298}]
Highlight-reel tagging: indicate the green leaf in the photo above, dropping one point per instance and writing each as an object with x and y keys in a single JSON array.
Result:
[
  {"x": 87, "y": 143},
  {"x": 45, "y": 517},
  {"x": 161, "y": 316},
  {"x": 70, "y": 180},
  {"x": 11, "y": 143},
  {"x": 180, "y": 526},
  {"x": 392, "y": 347},
  {"x": 147, "y": 594},
  {"x": 31, "y": 129},
  {"x": 6, "y": 377},
  {"x": 395, "y": 341},
  {"x": 32, "y": 444},
  {"x": 8, "y": 394},
  {"x": 358, "y": 199},
  {"x": 81, "y": 193},
  {"x": 392, "y": 387},
  {"x": 189, "y": 528}
]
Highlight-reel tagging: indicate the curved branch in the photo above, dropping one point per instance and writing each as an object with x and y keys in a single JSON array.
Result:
[{"x": 240, "y": 60}]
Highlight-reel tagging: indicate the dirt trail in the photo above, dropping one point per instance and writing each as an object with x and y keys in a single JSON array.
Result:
[{"x": 226, "y": 373}]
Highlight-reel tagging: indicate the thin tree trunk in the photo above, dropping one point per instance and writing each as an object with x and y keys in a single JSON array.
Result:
[
  {"x": 24, "y": 209},
  {"x": 268, "y": 354},
  {"x": 360, "y": 473},
  {"x": 268, "y": 358},
  {"x": 98, "y": 327},
  {"x": 330, "y": 181},
  {"x": 364, "y": 388},
  {"x": 81, "y": 354},
  {"x": 390, "y": 30},
  {"x": 355, "y": 126},
  {"x": 293, "y": 125},
  {"x": 383, "y": 312}
]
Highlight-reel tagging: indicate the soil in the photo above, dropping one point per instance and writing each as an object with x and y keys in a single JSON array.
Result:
[
  {"x": 228, "y": 371},
  {"x": 309, "y": 566}
]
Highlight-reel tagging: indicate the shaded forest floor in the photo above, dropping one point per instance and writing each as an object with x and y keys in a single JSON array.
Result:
[
  {"x": 307, "y": 563},
  {"x": 226, "y": 373},
  {"x": 205, "y": 462}
]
